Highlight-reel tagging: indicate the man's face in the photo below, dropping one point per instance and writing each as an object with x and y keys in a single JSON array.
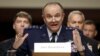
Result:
[
  {"x": 20, "y": 24},
  {"x": 76, "y": 21},
  {"x": 53, "y": 17},
  {"x": 89, "y": 31}
]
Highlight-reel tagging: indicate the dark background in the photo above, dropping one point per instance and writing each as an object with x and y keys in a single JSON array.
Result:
[{"x": 7, "y": 15}]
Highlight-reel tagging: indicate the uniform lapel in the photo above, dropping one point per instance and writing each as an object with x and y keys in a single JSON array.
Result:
[
  {"x": 63, "y": 36},
  {"x": 44, "y": 34}
]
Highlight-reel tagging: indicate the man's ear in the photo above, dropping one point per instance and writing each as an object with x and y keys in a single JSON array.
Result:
[
  {"x": 63, "y": 15},
  {"x": 96, "y": 32},
  {"x": 43, "y": 17},
  {"x": 67, "y": 23},
  {"x": 13, "y": 26}
]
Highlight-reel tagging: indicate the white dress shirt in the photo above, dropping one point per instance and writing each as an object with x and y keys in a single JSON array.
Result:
[{"x": 50, "y": 34}]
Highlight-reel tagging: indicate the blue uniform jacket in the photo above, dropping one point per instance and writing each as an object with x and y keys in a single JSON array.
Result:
[{"x": 39, "y": 34}]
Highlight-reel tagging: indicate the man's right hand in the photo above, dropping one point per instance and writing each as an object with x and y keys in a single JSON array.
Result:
[{"x": 19, "y": 40}]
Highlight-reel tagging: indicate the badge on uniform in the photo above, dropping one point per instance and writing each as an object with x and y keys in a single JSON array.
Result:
[
  {"x": 89, "y": 46},
  {"x": 73, "y": 47},
  {"x": 99, "y": 46}
]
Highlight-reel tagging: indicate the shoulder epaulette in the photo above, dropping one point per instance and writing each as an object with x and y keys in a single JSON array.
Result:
[
  {"x": 33, "y": 27},
  {"x": 69, "y": 28},
  {"x": 41, "y": 27}
]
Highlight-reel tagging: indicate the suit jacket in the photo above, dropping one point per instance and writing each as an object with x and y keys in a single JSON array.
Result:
[
  {"x": 5, "y": 45},
  {"x": 39, "y": 34},
  {"x": 94, "y": 45}
]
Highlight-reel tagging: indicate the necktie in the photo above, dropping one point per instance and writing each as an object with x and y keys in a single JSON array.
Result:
[{"x": 53, "y": 37}]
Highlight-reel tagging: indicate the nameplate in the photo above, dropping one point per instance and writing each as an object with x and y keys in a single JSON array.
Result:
[{"x": 64, "y": 47}]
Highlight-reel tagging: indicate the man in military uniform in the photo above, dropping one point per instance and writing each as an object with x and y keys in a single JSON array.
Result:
[
  {"x": 53, "y": 16},
  {"x": 76, "y": 19}
]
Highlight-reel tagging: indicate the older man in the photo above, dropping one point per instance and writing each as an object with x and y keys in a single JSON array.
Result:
[
  {"x": 76, "y": 19},
  {"x": 52, "y": 31}
]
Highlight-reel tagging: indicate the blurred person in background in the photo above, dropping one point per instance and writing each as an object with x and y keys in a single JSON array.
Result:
[
  {"x": 21, "y": 21},
  {"x": 76, "y": 19},
  {"x": 90, "y": 31}
]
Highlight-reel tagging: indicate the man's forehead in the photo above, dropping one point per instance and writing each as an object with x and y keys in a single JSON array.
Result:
[
  {"x": 52, "y": 7},
  {"x": 22, "y": 18}
]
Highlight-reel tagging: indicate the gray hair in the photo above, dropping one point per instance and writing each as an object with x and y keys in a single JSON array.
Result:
[{"x": 76, "y": 12}]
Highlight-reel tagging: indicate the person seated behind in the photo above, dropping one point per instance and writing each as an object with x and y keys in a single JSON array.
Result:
[
  {"x": 89, "y": 30},
  {"x": 76, "y": 19},
  {"x": 21, "y": 21}
]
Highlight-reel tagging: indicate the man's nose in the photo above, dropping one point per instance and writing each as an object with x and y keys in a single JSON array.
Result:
[
  {"x": 22, "y": 24},
  {"x": 87, "y": 33},
  {"x": 76, "y": 26},
  {"x": 53, "y": 19}
]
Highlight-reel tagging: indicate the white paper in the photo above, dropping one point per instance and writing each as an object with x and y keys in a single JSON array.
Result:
[{"x": 64, "y": 47}]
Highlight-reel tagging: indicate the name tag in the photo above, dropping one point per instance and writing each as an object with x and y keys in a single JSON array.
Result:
[{"x": 64, "y": 47}]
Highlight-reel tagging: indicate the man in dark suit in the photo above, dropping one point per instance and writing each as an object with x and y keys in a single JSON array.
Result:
[
  {"x": 53, "y": 16},
  {"x": 90, "y": 31},
  {"x": 21, "y": 21}
]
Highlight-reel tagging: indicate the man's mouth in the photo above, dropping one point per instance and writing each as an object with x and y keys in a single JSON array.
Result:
[{"x": 54, "y": 25}]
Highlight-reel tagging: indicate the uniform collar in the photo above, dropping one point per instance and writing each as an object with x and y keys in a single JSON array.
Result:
[{"x": 50, "y": 33}]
